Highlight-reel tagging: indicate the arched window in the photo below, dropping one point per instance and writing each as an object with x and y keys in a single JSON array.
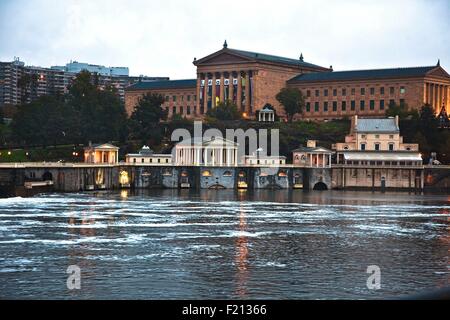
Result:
[
  {"x": 282, "y": 173},
  {"x": 206, "y": 173}
]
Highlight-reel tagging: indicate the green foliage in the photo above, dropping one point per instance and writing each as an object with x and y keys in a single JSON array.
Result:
[
  {"x": 144, "y": 124},
  {"x": 400, "y": 110},
  {"x": 292, "y": 100},
  {"x": 87, "y": 113},
  {"x": 224, "y": 111}
]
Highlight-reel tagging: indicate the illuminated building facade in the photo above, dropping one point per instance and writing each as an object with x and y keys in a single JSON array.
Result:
[{"x": 252, "y": 80}]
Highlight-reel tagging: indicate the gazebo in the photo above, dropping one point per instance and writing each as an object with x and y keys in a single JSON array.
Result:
[{"x": 266, "y": 114}]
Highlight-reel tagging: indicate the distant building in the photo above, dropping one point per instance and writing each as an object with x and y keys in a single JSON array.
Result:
[
  {"x": 101, "y": 154},
  {"x": 375, "y": 156},
  {"x": 252, "y": 79},
  {"x": 21, "y": 84},
  {"x": 215, "y": 151},
  {"x": 312, "y": 156},
  {"x": 77, "y": 67},
  {"x": 147, "y": 156}
]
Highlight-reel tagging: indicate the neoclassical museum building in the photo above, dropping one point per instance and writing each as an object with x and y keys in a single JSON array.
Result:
[{"x": 251, "y": 80}]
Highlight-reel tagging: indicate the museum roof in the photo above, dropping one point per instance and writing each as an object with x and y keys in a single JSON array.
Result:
[
  {"x": 272, "y": 58},
  {"x": 363, "y": 74},
  {"x": 165, "y": 84}
]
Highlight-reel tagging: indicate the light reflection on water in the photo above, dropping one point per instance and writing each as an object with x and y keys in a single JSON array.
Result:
[{"x": 223, "y": 244}]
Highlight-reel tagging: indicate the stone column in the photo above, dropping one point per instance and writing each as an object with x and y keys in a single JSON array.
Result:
[
  {"x": 247, "y": 92},
  {"x": 436, "y": 98},
  {"x": 221, "y": 157},
  {"x": 231, "y": 87},
  {"x": 239, "y": 92},
  {"x": 222, "y": 87},
  {"x": 213, "y": 93},
  {"x": 425, "y": 93},
  {"x": 197, "y": 103},
  {"x": 205, "y": 95}
]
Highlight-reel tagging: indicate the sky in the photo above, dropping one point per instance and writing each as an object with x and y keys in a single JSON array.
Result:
[{"x": 161, "y": 38}]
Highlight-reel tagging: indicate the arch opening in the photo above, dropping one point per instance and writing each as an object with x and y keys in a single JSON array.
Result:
[
  {"x": 47, "y": 176},
  {"x": 320, "y": 186}
]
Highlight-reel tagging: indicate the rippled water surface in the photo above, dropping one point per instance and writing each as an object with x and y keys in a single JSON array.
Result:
[{"x": 223, "y": 244}]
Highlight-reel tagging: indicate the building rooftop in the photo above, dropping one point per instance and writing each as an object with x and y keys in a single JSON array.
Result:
[
  {"x": 377, "y": 125},
  {"x": 382, "y": 156},
  {"x": 363, "y": 74},
  {"x": 312, "y": 149},
  {"x": 275, "y": 59},
  {"x": 165, "y": 84}
]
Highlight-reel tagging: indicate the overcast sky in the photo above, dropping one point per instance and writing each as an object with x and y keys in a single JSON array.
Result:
[{"x": 161, "y": 38}]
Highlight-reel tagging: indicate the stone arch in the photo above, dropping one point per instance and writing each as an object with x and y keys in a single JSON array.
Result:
[
  {"x": 47, "y": 176},
  {"x": 320, "y": 186}
]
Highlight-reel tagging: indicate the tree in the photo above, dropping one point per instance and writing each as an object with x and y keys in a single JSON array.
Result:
[
  {"x": 42, "y": 122},
  {"x": 292, "y": 101},
  {"x": 145, "y": 120},
  {"x": 225, "y": 111},
  {"x": 98, "y": 114},
  {"x": 401, "y": 110}
]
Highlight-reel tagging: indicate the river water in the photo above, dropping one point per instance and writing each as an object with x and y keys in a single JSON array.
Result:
[{"x": 223, "y": 244}]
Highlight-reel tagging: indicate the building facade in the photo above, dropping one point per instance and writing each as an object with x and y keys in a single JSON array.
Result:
[
  {"x": 20, "y": 84},
  {"x": 251, "y": 80},
  {"x": 375, "y": 156}
]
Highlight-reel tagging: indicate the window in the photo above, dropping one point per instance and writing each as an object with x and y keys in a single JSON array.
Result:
[
  {"x": 391, "y": 102},
  {"x": 308, "y": 93},
  {"x": 134, "y": 160},
  {"x": 181, "y": 110},
  {"x": 195, "y": 98},
  {"x": 391, "y": 90},
  {"x": 402, "y": 102},
  {"x": 344, "y": 105},
  {"x": 381, "y": 104},
  {"x": 308, "y": 107},
  {"x": 391, "y": 147},
  {"x": 363, "y": 146},
  {"x": 182, "y": 98},
  {"x": 344, "y": 92},
  {"x": 325, "y": 106},
  {"x": 372, "y": 91},
  {"x": 391, "y": 136},
  {"x": 402, "y": 90},
  {"x": 174, "y": 98},
  {"x": 325, "y": 92},
  {"x": 188, "y": 97},
  {"x": 377, "y": 136},
  {"x": 362, "y": 105},
  {"x": 316, "y": 107},
  {"x": 353, "y": 105},
  {"x": 363, "y": 91},
  {"x": 382, "y": 90},
  {"x": 174, "y": 110},
  {"x": 372, "y": 104},
  {"x": 167, "y": 98},
  {"x": 188, "y": 110},
  {"x": 377, "y": 147},
  {"x": 353, "y": 91},
  {"x": 334, "y": 106},
  {"x": 317, "y": 93},
  {"x": 334, "y": 92}
]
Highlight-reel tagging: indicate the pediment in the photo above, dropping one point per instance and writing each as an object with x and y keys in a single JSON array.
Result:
[
  {"x": 222, "y": 57},
  {"x": 438, "y": 72}
]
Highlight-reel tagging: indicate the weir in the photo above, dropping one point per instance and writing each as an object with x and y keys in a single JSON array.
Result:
[{"x": 24, "y": 179}]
